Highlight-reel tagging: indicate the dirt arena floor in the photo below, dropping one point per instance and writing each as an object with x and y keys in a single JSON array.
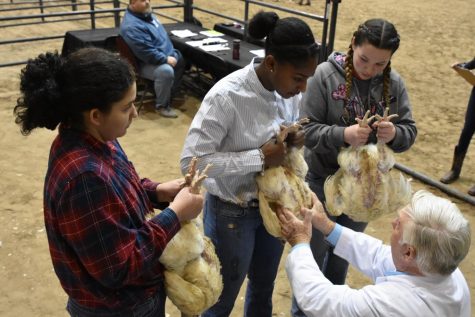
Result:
[{"x": 434, "y": 34}]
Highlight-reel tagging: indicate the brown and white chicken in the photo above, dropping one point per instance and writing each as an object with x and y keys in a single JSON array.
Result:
[
  {"x": 284, "y": 185},
  {"x": 364, "y": 187},
  {"x": 193, "y": 280}
]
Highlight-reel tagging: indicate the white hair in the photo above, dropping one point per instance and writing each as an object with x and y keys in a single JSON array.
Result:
[{"x": 438, "y": 231}]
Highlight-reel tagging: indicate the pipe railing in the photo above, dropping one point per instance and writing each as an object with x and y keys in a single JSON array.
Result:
[
  {"x": 169, "y": 17},
  {"x": 211, "y": 12},
  {"x": 324, "y": 19},
  {"x": 283, "y": 9},
  {"x": 334, "y": 14},
  {"x": 34, "y": 1},
  {"x": 73, "y": 3},
  {"x": 442, "y": 187},
  {"x": 94, "y": 14},
  {"x": 188, "y": 8},
  {"x": 49, "y": 6},
  {"x": 54, "y": 21},
  {"x": 32, "y": 39},
  {"x": 68, "y": 13},
  {"x": 324, "y": 52}
]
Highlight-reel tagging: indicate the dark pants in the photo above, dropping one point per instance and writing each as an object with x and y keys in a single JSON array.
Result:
[
  {"x": 152, "y": 307},
  {"x": 332, "y": 266},
  {"x": 469, "y": 126}
]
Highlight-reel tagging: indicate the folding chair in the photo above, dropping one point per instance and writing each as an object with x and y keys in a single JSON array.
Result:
[{"x": 144, "y": 85}]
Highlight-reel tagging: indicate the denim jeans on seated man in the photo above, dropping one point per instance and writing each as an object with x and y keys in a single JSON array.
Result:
[
  {"x": 167, "y": 81},
  {"x": 244, "y": 247},
  {"x": 332, "y": 266}
]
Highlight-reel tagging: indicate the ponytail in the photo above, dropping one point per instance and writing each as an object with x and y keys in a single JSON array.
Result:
[
  {"x": 39, "y": 105},
  {"x": 56, "y": 90},
  {"x": 289, "y": 39}
]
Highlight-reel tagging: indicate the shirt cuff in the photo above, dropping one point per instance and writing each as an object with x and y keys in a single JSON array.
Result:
[
  {"x": 151, "y": 189},
  {"x": 334, "y": 236},
  {"x": 168, "y": 220},
  {"x": 300, "y": 245},
  {"x": 339, "y": 139},
  {"x": 255, "y": 161}
]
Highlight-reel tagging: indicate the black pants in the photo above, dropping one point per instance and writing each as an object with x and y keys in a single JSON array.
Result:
[{"x": 469, "y": 126}]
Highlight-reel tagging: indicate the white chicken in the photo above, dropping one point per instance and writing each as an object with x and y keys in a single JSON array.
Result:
[
  {"x": 363, "y": 188},
  {"x": 193, "y": 280},
  {"x": 284, "y": 185}
]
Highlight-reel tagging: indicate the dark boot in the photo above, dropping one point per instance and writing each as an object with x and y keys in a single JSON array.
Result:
[
  {"x": 471, "y": 191},
  {"x": 454, "y": 173}
]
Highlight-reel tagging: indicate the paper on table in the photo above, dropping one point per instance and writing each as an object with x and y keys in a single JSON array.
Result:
[
  {"x": 211, "y": 33},
  {"x": 208, "y": 41},
  {"x": 183, "y": 33},
  {"x": 215, "y": 48},
  {"x": 194, "y": 43},
  {"x": 213, "y": 40},
  {"x": 466, "y": 74},
  {"x": 259, "y": 53}
]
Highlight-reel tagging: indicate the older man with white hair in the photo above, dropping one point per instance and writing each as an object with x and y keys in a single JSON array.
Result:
[{"x": 416, "y": 275}]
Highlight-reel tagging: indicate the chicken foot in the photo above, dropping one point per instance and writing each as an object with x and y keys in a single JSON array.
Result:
[
  {"x": 366, "y": 120},
  {"x": 194, "y": 178},
  {"x": 285, "y": 131}
]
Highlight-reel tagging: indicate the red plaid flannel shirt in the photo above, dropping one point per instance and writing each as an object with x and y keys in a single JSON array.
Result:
[{"x": 103, "y": 249}]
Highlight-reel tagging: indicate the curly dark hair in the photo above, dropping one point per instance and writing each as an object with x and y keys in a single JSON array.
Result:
[{"x": 58, "y": 90}]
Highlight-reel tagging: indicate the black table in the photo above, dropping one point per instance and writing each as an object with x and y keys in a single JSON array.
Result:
[
  {"x": 232, "y": 29},
  {"x": 219, "y": 63},
  {"x": 237, "y": 31},
  {"x": 74, "y": 40}
]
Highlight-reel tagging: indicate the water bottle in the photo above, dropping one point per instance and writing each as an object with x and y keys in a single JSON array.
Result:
[{"x": 236, "y": 46}]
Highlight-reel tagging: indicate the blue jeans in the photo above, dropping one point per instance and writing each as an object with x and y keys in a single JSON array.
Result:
[
  {"x": 152, "y": 307},
  {"x": 243, "y": 247},
  {"x": 167, "y": 80},
  {"x": 332, "y": 266}
]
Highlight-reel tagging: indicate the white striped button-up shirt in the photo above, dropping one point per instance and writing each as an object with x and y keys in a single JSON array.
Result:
[{"x": 237, "y": 116}]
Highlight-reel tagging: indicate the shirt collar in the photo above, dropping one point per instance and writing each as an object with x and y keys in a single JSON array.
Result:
[
  {"x": 256, "y": 84},
  {"x": 432, "y": 279},
  {"x": 77, "y": 136},
  {"x": 393, "y": 273},
  {"x": 142, "y": 16}
]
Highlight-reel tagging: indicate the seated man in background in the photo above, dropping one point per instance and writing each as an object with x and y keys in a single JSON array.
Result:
[
  {"x": 416, "y": 276},
  {"x": 158, "y": 60}
]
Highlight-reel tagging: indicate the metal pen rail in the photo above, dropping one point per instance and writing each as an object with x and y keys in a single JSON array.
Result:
[{"x": 328, "y": 18}]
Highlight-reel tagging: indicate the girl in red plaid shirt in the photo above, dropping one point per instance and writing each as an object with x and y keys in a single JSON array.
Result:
[{"x": 104, "y": 251}]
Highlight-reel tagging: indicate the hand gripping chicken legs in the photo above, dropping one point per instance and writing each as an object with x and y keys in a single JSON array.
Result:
[
  {"x": 284, "y": 185},
  {"x": 193, "y": 280},
  {"x": 364, "y": 188}
]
